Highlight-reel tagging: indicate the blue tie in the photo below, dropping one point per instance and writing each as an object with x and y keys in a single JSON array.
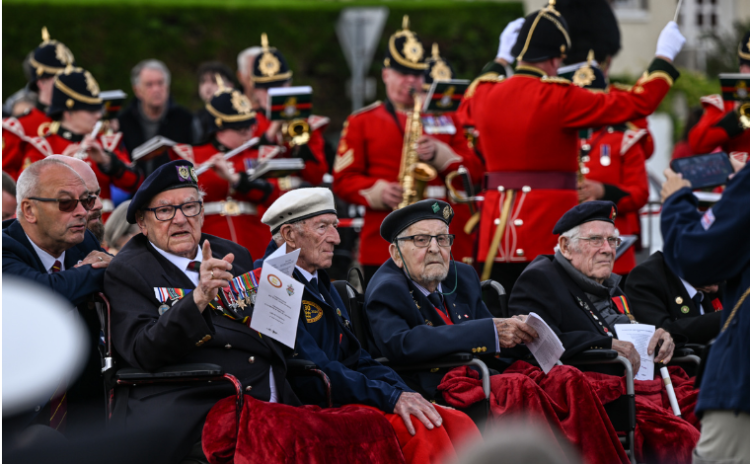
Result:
[{"x": 314, "y": 284}]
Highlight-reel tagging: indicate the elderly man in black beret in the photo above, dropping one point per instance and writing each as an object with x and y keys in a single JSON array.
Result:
[{"x": 422, "y": 305}]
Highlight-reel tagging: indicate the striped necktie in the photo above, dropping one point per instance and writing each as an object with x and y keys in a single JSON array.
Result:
[
  {"x": 194, "y": 266},
  {"x": 59, "y": 401}
]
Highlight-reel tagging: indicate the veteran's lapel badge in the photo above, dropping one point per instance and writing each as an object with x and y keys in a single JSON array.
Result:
[{"x": 313, "y": 312}]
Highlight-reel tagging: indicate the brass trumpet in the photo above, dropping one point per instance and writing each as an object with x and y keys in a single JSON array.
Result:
[
  {"x": 296, "y": 132},
  {"x": 744, "y": 113}
]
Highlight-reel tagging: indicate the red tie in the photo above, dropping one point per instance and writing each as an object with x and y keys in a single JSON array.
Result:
[
  {"x": 194, "y": 266},
  {"x": 59, "y": 400}
]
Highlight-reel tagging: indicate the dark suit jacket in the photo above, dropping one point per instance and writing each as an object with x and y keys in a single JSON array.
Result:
[
  {"x": 653, "y": 291},
  {"x": 324, "y": 336},
  {"x": 183, "y": 334},
  {"x": 545, "y": 288},
  {"x": 77, "y": 285},
  {"x": 407, "y": 328}
]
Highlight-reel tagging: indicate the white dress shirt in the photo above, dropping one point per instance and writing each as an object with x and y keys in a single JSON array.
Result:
[
  {"x": 47, "y": 259},
  {"x": 692, "y": 292}
]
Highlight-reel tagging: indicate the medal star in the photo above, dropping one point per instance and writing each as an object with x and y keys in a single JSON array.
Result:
[
  {"x": 248, "y": 300},
  {"x": 242, "y": 304}
]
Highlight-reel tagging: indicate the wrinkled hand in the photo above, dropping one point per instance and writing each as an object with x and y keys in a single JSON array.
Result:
[
  {"x": 515, "y": 330},
  {"x": 673, "y": 183},
  {"x": 214, "y": 274},
  {"x": 426, "y": 148},
  {"x": 666, "y": 350},
  {"x": 95, "y": 151},
  {"x": 224, "y": 169},
  {"x": 392, "y": 194},
  {"x": 737, "y": 164},
  {"x": 670, "y": 42},
  {"x": 627, "y": 350},
  {"x": 590, "y": 190},
  {"x": 413, "y": 404},
  {"x": 508, "y": 39},
  {"x": 97, "y": 260}
]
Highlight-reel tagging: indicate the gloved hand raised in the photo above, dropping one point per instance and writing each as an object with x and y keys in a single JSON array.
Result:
[
  {"x": 508, "y": 39},
  {"x": 670, "y": 42}
]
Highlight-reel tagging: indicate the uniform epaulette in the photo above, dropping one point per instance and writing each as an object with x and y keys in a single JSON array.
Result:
[
  {"x": 624, "y": 87},
  {"x": 367, "y": 108},
  {"x": 42, "y": 145},
  {"x": 13, "y": 125},
  {"x": 630, "y": 138},
  {"x": 316, "y": 122},
  {"x": 110, "y": 142},
  {"x": 486, "y": 77},
  {"x": 714, "y": 100},
  {"x": 555, "y": 80}
]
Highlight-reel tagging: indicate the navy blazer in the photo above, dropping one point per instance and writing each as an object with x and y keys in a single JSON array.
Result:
[
  {"x": 407, "y": 328},
  {"x": 325, "y": 337},
  {"x": 75, "y": 284},
  {"x": 703, "y": 248}
]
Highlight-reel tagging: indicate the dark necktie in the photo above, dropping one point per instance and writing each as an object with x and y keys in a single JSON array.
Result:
[
  {"x": 437, "y": 301},
  {"x": 698, "y": 300},
  {"x": 194, "y": 266},
  {"x": 314, "y": 284},
  {"x": 59, "y": 400}
]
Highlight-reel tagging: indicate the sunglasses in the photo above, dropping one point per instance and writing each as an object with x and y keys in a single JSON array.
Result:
[{"x": 69, "y": 204}]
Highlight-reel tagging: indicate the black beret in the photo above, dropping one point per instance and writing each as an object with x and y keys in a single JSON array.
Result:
[
  {"x": 398, "y": 220},
  {"x": 49, "y": 58},
  {"x": 592, "y": 26},
  {"x": 438, "y": 69},
  {"x": 270, "y": 68},
  {"x": 586, "y": 212},
  {"x": 405, "y": 52},
  {"x": 743, "y": 51},
  {"x": 544, "y": 35},
  {"x": 231, "y": 109},
  {"x": 170, "y": 176},
  {"x": 74, "y": 89}
]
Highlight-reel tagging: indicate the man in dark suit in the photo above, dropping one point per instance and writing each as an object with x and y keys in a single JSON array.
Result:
[
  {"x": 660, "y": 297},
  {"x": 163, "y": 287},
  {"x": 49, "y": 244},
  {"x": 306, "y": 219}
]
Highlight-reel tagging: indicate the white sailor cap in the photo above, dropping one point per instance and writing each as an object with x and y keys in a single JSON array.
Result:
[{"x": 297, "y": 205}]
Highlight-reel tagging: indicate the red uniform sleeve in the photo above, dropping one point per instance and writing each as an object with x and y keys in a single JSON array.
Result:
[
  {"x": 349, "y": 178},
  {"x": 705, "y": 136},
  {"x": 634, "y": 180},
  {"x": 469, "y": 158},
  {"x": 13, "y": 140},
  {"x": 123, "y": 176}
]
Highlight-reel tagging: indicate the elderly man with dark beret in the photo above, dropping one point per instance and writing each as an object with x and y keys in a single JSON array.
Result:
[{"x": 422, "y": 305}]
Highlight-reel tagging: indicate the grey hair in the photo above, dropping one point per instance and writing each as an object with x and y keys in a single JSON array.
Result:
[
  {"x": 571, "y": 235},
  {"x": 28, "y": 182},
  {"x": 298, "y": 226},
  {"x": 117, "y": 226},
  {"x": 9, "y": 185},
  {"x": 135, "y": 74},
  {"x": 244, "y": 55}
]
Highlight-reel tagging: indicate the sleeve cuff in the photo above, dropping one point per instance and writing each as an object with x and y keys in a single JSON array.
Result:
[
  {"x": 613, "y": 193},
  {"x": 444, "y": 156},
  {"x": 374, "y": 195},
  {"x": 731, "y": 124},
  {"x": 497, "y": 339},
  {"x": 115, "y": 168},
  {"x": 664, "y": 69}
]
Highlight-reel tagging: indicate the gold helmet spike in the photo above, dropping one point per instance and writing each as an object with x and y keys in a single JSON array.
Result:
[
  {"x": 45, "y": 35},
  {"x": 264, "y": 41},
  {"x": 590, "y": 57},
  {"x": 405, "y": 23},
  {"x": 435, "y": 52},
  {"x": 220, "y": 83}
]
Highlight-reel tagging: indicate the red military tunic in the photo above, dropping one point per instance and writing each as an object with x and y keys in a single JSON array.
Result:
[
  {"x": 316, "y": 165},
  {"x": 531, "y": 146},
  {"x": 16, "y": 132},
  {"x": 709, "y": 134},
  {"x": 646, "y": 141},
  {"x": 243, "y": 229},
  {"x": 369, "y": 157},
  {"x": 122, "y": 175},
  {"x": 616, "y": 159}
]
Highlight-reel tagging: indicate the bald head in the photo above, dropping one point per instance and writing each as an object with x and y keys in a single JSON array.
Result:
[{"x": 82, "y": 168}]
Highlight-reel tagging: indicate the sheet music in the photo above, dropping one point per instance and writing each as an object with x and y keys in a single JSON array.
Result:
[
  {"x": 548, "y": 348},
  {"x": 640, "y": 336}
]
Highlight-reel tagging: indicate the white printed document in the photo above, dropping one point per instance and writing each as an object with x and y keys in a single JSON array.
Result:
[
  {"x": 640, "y": 336},
  {"x": 279, "y": 298},
  {"x": 548, "y": 348}
]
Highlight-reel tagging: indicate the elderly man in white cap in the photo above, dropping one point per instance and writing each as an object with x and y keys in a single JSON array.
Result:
[{"x": 306, "y": 219}]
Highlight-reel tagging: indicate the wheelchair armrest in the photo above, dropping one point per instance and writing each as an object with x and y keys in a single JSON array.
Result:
[
  {"x": 170, "y": 372},
  {"x": 682, "y": 352},
  {"x": 592, "y": 356},
  {"x": 296, "y": 366}
]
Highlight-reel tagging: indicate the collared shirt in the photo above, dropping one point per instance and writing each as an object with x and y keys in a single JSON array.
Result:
[
  {"x": 182, "y": 264},
  {"x": 47, "y": 259},
  {"x": 692, "y": 292},
  {"x": 310, "y": 277}
]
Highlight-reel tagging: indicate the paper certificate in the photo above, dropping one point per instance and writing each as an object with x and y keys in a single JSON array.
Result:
[
  {"x": 279, "y": 299},
  {"x": 640, "y": 336},
  {"x": 548, "y": 348}
]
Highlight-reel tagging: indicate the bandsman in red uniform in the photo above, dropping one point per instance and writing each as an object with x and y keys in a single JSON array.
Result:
[
  {"x": 233, "y": 204},
  {"x": 531, "y": 148},
  {"x": 270, "y": 69},
  {"x": 720, "y": 126},
  {"x": 613, "y": 165},
  {"x": 368, "y": 159},
  {"x": 75, "y": 109},
  {"x": 50, "y": 58}
]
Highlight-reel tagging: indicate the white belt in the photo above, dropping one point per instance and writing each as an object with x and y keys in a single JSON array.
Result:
[
  {"x": 107, "y": 205},
  {"x": 435, "y": 191},
  {"x": 230, "y": 208}
]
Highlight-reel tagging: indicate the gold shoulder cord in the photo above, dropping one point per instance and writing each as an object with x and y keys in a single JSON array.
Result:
[{"x": 736, "y": 307}]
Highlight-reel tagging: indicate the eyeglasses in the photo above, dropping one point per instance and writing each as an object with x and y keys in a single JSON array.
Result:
[
  {"x": 423, "y": 241},
  {"x": 67, "y": 205},
  {"x": 167, "y": 212},
  {"x": 597, "y": 241}
]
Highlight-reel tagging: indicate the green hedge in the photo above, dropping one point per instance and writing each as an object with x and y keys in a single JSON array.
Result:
[{"x": 108, "y": 38}]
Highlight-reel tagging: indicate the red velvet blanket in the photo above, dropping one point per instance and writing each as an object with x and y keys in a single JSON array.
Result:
[
  {"x": 277, "y": 433},
  {"x": 571, "y": 402}
]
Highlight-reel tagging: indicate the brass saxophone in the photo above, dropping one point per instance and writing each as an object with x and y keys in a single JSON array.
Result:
[{"x": 413, "y": 174}]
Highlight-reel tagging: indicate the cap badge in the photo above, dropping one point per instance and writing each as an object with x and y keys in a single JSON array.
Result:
[
  {"x": 193, "y": 175},
  {"x": 613, "y": 214},
  {"x": 91, "y": 84},
  {"x": 440, "y": 71},
  {"x": 240, "y": 103},
  {"x": 269, "y": 65},
  {"x": 184, "y": 173},
  {"x": 584, "y": 76},
  {"x": 447, "y": 212},
  {"x": 413, "y": 50},
  {"x": 435, "y": 207},
  {"x": 290, "y": 107},
  {"x": 63, "y": 54}
]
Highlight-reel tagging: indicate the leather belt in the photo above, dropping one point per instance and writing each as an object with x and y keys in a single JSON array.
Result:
[
  {"x": 519, "y": 180},
  {"x": 229, "y": 208},
  {"x": 107, "y": 205}
]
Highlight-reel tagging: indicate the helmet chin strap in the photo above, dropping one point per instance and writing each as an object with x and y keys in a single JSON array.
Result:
[{"x": 455, "y": 271}]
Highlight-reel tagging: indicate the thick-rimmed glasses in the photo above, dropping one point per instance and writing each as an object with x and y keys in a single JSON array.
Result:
[
  {"x": 597, "y": 241},
  {"x": 67, "y": 205},
  {"x": 167, "y": 212},
  {"x": 423, "y": 241}
]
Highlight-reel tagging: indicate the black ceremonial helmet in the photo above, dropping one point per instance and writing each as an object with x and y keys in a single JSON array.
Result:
[
  {"x": 270, "y": 69},
  {"x": 544, "y": 35},
  {"x": 438, "y": 69},
  {"x": 49, "y": 58},
  {"x": 585, "y": 74},
  {"x": 743, "y": 51},
  {"x": 405, "y": 53},
  {"x": 592, "y": 26},
  {"x": 230, "y": 108},
  {"x": 74, "y": 89}
]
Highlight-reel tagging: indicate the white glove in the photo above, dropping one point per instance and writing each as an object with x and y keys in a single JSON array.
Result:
[
  {"x": 670, "y": 41},
  {"x": 508, "y": 39}
]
